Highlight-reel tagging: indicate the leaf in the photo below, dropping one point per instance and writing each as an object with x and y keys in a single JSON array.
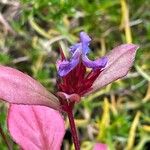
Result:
[
  {"x": 142, "y": 73},
  {"x": 19, "y": 88},
  {"x": 36, "y": 127},
  {"x": 120, "y": 60},
  {"x": 100, "y": 146}
]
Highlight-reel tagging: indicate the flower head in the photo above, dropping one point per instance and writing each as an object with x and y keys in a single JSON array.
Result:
[
  {"x": 73, "y": 75},
  {"x": 73, "y": 79}
]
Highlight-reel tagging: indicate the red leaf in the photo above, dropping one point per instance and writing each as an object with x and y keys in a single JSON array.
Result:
[
  {"x": 120, "y": 60},
  {"x": 19, "y": 88},
  {"x": 99, "y": 146},
  {"x": 36, "y": 127}
]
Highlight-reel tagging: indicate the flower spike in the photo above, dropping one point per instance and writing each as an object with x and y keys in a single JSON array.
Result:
[{"x": 73, "y": 75}]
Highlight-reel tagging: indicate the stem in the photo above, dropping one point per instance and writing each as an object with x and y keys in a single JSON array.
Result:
[
  {"x": 5, "y": 139},
  {"x": 126, "y": 21},
  {"x": 73, "y": 130}
]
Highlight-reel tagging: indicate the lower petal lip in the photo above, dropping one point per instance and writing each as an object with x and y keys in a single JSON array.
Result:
[
  {"x": 66, "y": 66},
  {"x": 97, "y": 64}
]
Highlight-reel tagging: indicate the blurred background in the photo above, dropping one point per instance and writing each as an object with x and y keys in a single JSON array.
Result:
[{"x": 31, "y": 33}]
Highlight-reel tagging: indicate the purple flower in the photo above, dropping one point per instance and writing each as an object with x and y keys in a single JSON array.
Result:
[
  {"x": 73, "y": 77},
  {"x": 79, "y": 53}
]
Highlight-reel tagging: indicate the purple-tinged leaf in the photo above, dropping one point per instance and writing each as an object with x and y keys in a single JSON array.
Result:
[
  {"x": 120, "y": 60},
  {"x": 19, "y": 88},
  {"x": 36, "y": 127},
  {"x": 99, "y": 146}
]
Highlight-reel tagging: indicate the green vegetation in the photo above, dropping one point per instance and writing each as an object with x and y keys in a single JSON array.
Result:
[{"x": 30, "y": 38}]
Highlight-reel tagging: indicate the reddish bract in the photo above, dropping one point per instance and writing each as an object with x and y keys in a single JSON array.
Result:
[
  {"x": 18, "y": 88},
  {"x": 78, "y": 80},
  {"x": 100, "y": 146},
  {"x": 36, "y": 127}
]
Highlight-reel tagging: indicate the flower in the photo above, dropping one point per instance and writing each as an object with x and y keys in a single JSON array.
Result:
[
  {"x": 73, "y": 77},
  {"x": 73, "y": 82},
  {"x": 79, "y": 53},
  {"x": 72, "y": 73}
]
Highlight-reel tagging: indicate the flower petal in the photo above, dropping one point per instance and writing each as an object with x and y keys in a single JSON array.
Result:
[
  {"x": 19, "y": 88},
  {"x": 85, "y": 40},
  {"x": 36, "y": 127},
  {"x": 66, "y": 66},
  {"x": 99, "y": 146},
  {"x": 97, "y": 64},
  {"x": 74, "y": 47},
  {"x": 120, "y": 59}
]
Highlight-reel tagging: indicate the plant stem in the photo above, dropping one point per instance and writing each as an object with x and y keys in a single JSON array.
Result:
[
  {"x": 73, "y": 130},
  {"x": 5, "y": 139},
  {"x": 126, "y": 21}
]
